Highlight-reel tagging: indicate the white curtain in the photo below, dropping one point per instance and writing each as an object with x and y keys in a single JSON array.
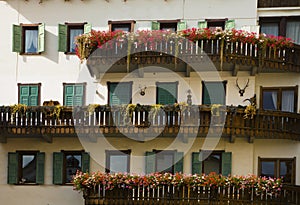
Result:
[
  {"x": 73, "y": 34},
  {"x": 287, "y": 101},
  {"x": 274, "y": 99},
  {"x": 269, "y": 28},
  {"x": 31, "y": 41},
  {"x": 293, "y": 31}
]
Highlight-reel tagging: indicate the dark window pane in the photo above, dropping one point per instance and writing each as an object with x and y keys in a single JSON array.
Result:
[
  {"x": 168, "y": 26},
  {"x": 212, "y": 164},
  {"x": 28, "y": 168},
  {"x": 73, "y": 163},
  {"x": 268, "y": 169},
  {"x": 164, "y": 162},
  {"x": 286, "y": 168},
  {"x": 121, "y": 27},
  {"x": 270, "y": 100},
  {"x": 118, "y": 163}
]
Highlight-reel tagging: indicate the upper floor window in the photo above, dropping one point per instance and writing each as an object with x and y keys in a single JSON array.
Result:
[
  {"x": 26, "y": 167},
  {"x": 29, "y": 38},
  {"x": 211, "y": 161},
  {"x": 67, "y": 34},
  {"x": 214, "y": 92},
  {"x": 119, "y": 93},
  {"x": 127, "y": 26},
  {"x": 213, "y": 24},
  {"x": 276, "y": 98},
  {"x": 166, "y": 92},
  {"x": 164, "y": 161},
  {"x": 29, "y": 94},
  {"x": 118, "y": 161},
  {"x": 74, "y": 94},
  {"x": 281, "y": 26},
  {"x": 67, "y": 163},
  {"x": 171, "y": 25},
  {"x": 279, "y": 168}
]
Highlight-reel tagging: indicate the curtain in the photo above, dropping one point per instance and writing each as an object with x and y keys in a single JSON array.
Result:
[
  {"x": 287, "y": 101},
  {"x": 274, "y": 99},
  {"x": 31, "y": 41},
  {"x": 73, "y": 34},
  {"x": 269, "y": 28},
  {"x": 293, "y": 31}
]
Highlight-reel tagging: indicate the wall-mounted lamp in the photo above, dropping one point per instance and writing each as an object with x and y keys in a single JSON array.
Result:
[{"x": 142, "y": 91}]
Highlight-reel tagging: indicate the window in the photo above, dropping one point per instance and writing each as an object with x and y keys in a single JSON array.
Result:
[
  {"x": 166, "y": 93},
  {"x": 164, "y": 161},
  {"x": 211, "y": 161},
  {"x": 213, "y": 24},
  {"x": 214, "y": 92},
  {"x": 284, "y": 99},
  {"x": 67, "y": 163},
  {"x": 118, "y": 161},
  {"x": 127, "y": 26},
  {"x": 172, "y": 25},
  {"x": 67, "y": 34},
  {"x": 281, "y": 26},
  {"x": 280, "y": 167},
  {"x": 119, "y": 93},
  {"x": 29, "y": 94},
  {"x": 74, "y": 94},
  {"x": 29, "y": 38},
  {"x": 26, "y": 167}
]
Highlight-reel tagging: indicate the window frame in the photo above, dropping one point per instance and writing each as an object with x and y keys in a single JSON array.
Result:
[
  {"x": 279, "y": 96},
  {"x": 211, "y": 22},
  {"x": 126, "y": 24},
  {"x": 75, "y": 84},
  {"x": 71, "y": 26},
  {"x": 277, "y": 167},
  {"x": 30, "y": 84},
  {"x": 20, "y": 160},
  {"x": 109, "y": 153}
]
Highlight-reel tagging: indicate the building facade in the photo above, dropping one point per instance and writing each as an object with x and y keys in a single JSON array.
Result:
[{"x": 43, "y": 145}]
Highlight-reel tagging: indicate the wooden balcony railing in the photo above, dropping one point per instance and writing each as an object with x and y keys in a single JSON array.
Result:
[
  {"x": 168, "y": 194},
  {"x": 225, "y": 56},
  {"x": 278, "y": 3},
  {"x": 145, "y": 121}
]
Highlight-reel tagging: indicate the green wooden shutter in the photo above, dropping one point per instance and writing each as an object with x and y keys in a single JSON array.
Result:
[
  {"x": 58, "y": 163},
  {"x": 12, "y": 175},
  {"x": 178, "y": 166},
  {"x": 33, "y": 95},
  {"x": 202, "y": 24},
  {"x": 166, "y": 93},
  {"x": 120, "y": 93},
  {"x": 226, "y": 163},
  {"x": 24, "y": 94},
  {"x": 17, "y": 38},
  {"x": 62, "y": 37},
  {"x": 78, "y": 95},
  {"x": 41, "y": 38},
  {"x": 150, "y": 162},
  {"x": 230, "y": 24},
  {"x": 85, "y": 161},
  {"x": 69, "y": 95},
  {"x": 87, "y": 28},
  {"x": 213, "y": 93},
  {"x": 181, "y": 26},
  {"x": 40, "y": 168},
  {"x": 155, "y": 25},
  {"x": 196, "y": 163}
]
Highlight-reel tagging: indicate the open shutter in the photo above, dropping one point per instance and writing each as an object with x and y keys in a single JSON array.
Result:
[
  {"x": 87, "y": 28},
  {"x": 24, "y": 94},
  {"x": 78, "y": 95},
  {"x": 12, "y": 175},
  {"x": 226, "y": 163},
  {"x": 33, "y": 95},
  {"x": 196, "y": 163},
  {"x": 230, "y": 24},
  {"x": 155, "y": 25},
  {"x": 62, "y": 37},
  {"x": 85, "y": 160},
  {"x": 166, "y": 93},
  {"x": 69, "y": 94},
  {"x": 58, "y": 162},
  {"x": 202, "y": 24},
  {"x": 178, "y": 166},
  {"x": 17, "y": 38},
  {"x": 40, "y": 168},
  {"x": 181, "y": 26},
  {"x": 41, "y": 38},
  {"x": 150, "y": 162}
]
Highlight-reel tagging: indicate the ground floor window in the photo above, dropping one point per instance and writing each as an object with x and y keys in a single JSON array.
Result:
[
  {"x": 278, "y": 167},
  {"x": 117, "y": 161}
]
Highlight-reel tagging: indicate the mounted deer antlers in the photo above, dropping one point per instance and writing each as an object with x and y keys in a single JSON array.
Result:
[{"x": 241, "y": 91}]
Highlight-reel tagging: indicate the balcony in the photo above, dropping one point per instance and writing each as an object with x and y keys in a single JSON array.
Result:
[
  {"x": 142, "y": 121},
  {"x": 278, "y": 3}
]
